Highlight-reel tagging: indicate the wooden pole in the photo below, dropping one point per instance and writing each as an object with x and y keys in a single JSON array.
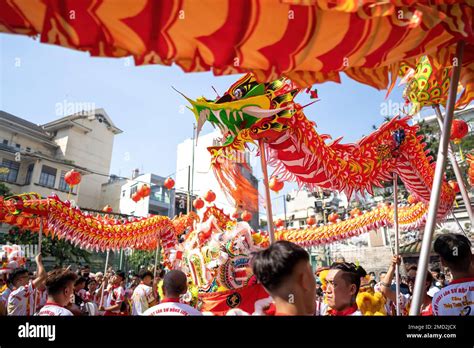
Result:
[
  {"x": 268, "y": 202},
  {"x": 104, "y": 285}
]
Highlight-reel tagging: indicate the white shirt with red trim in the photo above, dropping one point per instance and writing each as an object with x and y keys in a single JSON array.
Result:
[
  {"x": 115, "y": 296},
  {"x": 4, "y": 296},
  {"x": 170, "y": 307},
  {"x": 457, "y": 298},
  {"x": 53, "y": 309},
  {"x": 21, "y": 301},
  {"x": 41, "y": 298},
  {"x": 141, "y": 298}
]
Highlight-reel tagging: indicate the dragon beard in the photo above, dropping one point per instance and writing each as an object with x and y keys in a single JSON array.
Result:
[{"x": 237, "y": 188}]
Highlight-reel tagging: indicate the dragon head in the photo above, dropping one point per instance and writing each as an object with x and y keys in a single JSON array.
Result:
[{"x": 247, "y": 111}]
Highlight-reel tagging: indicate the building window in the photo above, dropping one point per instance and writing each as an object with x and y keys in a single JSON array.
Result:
[
  {"x": 9, "y": 170},
  {"x": 5, "y": 142},
  {"x": 29, "y": 173},
  {"x": 159, "y": 194},
  {"x": 28, "y": 149},
  {"x": 123, "y": 193},
  {"x": 18, "y": 146},
  {"x": 133, "y": 189},
  {"x": 48, "y": 176}
]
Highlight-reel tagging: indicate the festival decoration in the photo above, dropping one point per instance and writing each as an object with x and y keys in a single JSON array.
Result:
[
  {"x": 136, "y": 197},
  {"x": 412, "y": 199},
  {"x": 428, "y": 83},
  {"x": 454, "y": 185},
  {"x": 198, "y": 203},
  {"x": 72, "y": 178},
  {"x": 279, "y": 223},
  {"x": 459, "y": 130},
  {"x": 354, "y": 212},
  {"x": 226, "y": 30},
  {"x": 275, "y": 184},
  {"x": 250, "y": 111},
  {"x": 246, "y": 216},
  {"x": 107, "y": 209},
  {"x": 210, "y": 196},
  {"x": 144, "y": 191},
  {"x": 310, "y": 221},
  {"x": 470, "y": 171},
  {"x": 169, "y": 183},
  {"x": 333, "y": 217}
]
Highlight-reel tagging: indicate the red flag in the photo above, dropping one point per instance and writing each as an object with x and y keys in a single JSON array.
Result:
[{"x": 244, "y": 298}]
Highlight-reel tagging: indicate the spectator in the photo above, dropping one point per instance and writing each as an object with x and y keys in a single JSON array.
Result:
[
  {"x": 60, "y": 287},
  {"x": 382, "y": 275},
  {"x": 92, "y": 295},
  {"x": 21, "y": 299},
  {"x": 115, "y": 295},
  {"x": 285, "y": 272},
  {"x": 144, "y": 295},
  {"x": 405, "y": 299},
  {"x": 174, "y": 285},
  {"x": 457, "y": 298},
  {"x": 80, "y": 293},
  {"x": 343, "y": 283}
]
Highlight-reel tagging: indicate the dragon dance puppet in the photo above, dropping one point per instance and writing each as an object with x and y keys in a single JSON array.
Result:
[{"x": 251, "y": 111}]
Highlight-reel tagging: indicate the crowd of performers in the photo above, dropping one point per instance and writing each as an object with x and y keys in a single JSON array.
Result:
[{"x": 284, "y": 270}]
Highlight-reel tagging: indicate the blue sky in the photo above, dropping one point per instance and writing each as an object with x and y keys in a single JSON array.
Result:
[{"x": 36, "y": 77}]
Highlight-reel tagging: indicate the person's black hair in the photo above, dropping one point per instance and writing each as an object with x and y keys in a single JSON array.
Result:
[
  {"x": 145, "y": 273},
  {"x": 455, "y": 250},
  {"x": 121, "y": 274},
  {"x": 372, "y": 273},
  {"x": 86, "y": 266},
  {"x": 58, "y": 280},
  {"x": 436, "y": 270},
  {"x": 15, "y": 274},
  {"x": 276, "y": 263},
  {"x": 372, "y": 282},
  {"x": 80, "y": 280},
  {"x": 351, "y": 273},
  {"x": 174, "y": 283},
  {"x": 162, "y": 274}
]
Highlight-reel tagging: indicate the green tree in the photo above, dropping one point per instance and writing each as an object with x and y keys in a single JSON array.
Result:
[
  {"x": 4, "y": 190},
  {"x": 141, "y": 258},
  {"x": 63, "y": 251}
]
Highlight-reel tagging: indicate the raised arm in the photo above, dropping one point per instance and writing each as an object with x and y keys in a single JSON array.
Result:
[
  {"x": 386, "y": 282},
  {"x": 41, "y": 272}
]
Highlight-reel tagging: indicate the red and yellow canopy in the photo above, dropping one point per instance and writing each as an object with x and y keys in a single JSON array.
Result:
[{"x": 308, "y": 41}]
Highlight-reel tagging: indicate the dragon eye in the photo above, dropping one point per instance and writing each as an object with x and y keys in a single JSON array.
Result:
[{"x": 238, "y": 93}]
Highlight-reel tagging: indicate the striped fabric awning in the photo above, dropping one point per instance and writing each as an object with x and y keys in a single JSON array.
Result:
[{"x": 308, "y": 41}]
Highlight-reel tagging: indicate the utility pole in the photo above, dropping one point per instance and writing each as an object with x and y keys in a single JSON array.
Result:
[
  {"x": 192, "y": 163},
  {"x": 188, "y": 206}
]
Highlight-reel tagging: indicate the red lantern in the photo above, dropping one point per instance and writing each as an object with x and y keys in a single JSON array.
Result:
[
  {"x": 107, "y": 209},
  {"x": 454, "y": 185},
  {"x": 459, "y": 130},
  {"x": 311, "y": 221},
  {"x": 354, "y": 212},
  {"x": 198, "y": 203},
  {"x": 246, "y": 216},
  {"x": 275, "y": 184},
  {"x": 412, "y": 199},
  {"x": 210, "y": 196},
  {"x": 333, "y": 217},
  {"x": 72, "y": 178},
  {"x": 144, "y": 191},
  {"x": 169, "y": 183},
  {"x": 279, "y": 223},
  {"x": 136, "y": 197}
]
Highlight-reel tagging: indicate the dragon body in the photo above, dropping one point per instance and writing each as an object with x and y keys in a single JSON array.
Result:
[{"x": 250, "y": 112}]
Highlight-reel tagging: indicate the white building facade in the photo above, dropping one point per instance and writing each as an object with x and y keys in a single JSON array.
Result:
[{"x": 35, "y": 158}]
